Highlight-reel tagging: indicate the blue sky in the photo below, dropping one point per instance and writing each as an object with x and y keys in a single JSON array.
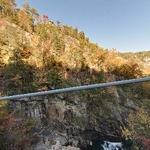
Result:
[{"x": 120, "y": 24}]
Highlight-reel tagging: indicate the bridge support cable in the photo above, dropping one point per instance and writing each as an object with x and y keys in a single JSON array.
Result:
[{"x": 77, "y": 88}]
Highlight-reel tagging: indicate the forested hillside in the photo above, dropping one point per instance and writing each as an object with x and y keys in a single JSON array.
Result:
[
  {"x": 38, "y": 54},
  {"x": 35, "y": 41},
  {"x": 142, "y": 58}
]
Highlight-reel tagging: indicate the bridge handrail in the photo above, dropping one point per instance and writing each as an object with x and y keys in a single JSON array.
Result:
[{"x": 77, "y": 88}]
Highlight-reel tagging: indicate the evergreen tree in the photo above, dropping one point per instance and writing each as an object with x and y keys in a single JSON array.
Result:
[{"x": 27, "y": 17}]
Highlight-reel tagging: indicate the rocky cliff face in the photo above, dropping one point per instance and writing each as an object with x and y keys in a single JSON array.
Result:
[{"x": 78, "y": 119}]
